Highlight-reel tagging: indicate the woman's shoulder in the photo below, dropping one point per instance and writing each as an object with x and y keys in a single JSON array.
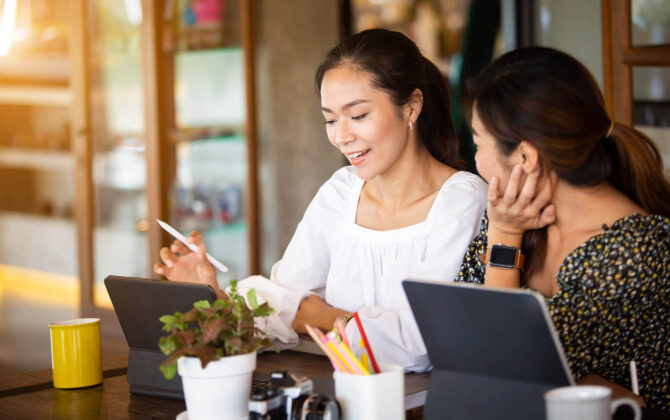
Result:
[
  {"x": 462, "y": 193},
  {"x": 633, "y": 252},
  {"x": 338, "y": 191},
  {"x": 466, "y": 181},
  {"x": 630, "y": 235},
  {"x": 342, "y": 182},
  {"x": 637, "y": 230}
]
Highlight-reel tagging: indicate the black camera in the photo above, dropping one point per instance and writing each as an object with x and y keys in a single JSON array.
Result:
[{"x": 287, "y": 397}]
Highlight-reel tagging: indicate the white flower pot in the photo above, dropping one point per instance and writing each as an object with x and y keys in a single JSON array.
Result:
[{"x": 221, "y": 390}]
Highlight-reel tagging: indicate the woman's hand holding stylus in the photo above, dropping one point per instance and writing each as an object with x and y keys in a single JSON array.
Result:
[{"x": 182, "y": 265}]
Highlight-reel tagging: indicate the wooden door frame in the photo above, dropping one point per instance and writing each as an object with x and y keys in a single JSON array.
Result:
[
  {"x": 80, "y": 115},
  {"x": 159, "y": 108},
  {"x": 248, "y": 19},
  {"x": 158, "y": 77},
  {"x": 619, "y": 58}
]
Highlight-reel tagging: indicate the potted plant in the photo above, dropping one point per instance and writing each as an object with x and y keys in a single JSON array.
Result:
[{"x": 213, "y": 346}]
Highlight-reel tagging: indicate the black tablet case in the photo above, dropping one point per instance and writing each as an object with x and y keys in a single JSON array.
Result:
[
  {"x": 139, "y": 303},
  {"x": 494, "y": 351}
]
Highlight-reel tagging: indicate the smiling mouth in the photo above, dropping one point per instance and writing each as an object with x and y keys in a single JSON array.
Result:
[{"x": 358, "y": 157}]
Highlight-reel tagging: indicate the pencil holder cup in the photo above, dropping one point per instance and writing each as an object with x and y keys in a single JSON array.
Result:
[
  {"x": 372, "y": 397},
  {"x": 75, "y": 353}
]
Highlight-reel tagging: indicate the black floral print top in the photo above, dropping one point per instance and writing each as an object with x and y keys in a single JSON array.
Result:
[{"x": 613, "y": 304}]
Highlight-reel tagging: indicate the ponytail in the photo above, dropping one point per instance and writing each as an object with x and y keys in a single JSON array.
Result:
[
  {"x": 638, "y": 172},
  {"x": 435, "y": 124}
]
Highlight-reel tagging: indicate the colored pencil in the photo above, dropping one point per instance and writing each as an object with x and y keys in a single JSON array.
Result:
[
  {"x": 367, "y": 343},
  {"x": 341, "y": 330},
  {"x": 349, "y": 367},
  {"x": 325, "y": 349},
  {"x": 350, "y": 357},
  {"x": 364, "y": 361}
]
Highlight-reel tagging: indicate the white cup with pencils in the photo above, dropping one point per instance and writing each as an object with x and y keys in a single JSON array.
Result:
[
  {"x": 365, "y": 389},
  {"x": 378, "y": 396}
]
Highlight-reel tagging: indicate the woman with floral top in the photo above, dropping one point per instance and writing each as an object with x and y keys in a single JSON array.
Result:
[{"x": 579, "y": 210}]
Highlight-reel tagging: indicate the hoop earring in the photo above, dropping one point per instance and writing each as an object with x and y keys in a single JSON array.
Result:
[{"x": 410, "y": 126}]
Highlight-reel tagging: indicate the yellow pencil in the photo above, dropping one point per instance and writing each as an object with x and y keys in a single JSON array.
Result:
[
  {"x": 350, "y": 356},
  {"x": 349, "y": 369},
  {"x": 364, "y": 361},
  {"x": 315, "y": 336}
]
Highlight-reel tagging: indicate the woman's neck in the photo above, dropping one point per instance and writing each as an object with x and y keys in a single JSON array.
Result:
[
  {"x": 585, "y": 209},
  {"x": 410, "y": 179}
]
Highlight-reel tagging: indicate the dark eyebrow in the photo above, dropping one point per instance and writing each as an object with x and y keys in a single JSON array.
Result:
[{"x": 347, "y": 105}]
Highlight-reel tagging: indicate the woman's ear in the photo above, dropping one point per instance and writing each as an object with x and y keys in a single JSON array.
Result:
[
  {"x": 528, "y": 157},
  {"x": 414, "y": 105}
]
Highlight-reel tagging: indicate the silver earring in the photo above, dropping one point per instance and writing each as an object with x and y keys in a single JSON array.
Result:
[{"x": 410, "y": 126}]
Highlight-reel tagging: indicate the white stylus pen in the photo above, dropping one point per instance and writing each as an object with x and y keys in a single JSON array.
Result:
[
  {"x": 181, "y": 238},
  {"x": 633, "y": 378}
]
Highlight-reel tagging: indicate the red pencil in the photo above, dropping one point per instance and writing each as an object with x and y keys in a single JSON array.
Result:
[{"x": 367, "y": 344}]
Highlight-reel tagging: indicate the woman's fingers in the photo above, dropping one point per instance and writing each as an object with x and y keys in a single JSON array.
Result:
[
  {"x": 161, "y": 269},
  {"x": 528, "y": 191},
  {"x": 512, "y": 189},
  {"x": 548, "y": 216},
  {"x": 542, "y": 198},
  {"x": 179, "y": 248},
  {"x": 169, "y": 258},
  {"x": 195, "y": 238},
  {"x": 493, "y": 190},
  {"x": 525, "y": 203}
]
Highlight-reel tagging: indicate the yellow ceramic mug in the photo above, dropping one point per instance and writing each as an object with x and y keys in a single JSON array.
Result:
[{"x": 75, "y": 353}]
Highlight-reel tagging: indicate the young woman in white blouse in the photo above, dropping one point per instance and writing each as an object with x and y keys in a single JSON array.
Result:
[{"x": 400, "y": 210}]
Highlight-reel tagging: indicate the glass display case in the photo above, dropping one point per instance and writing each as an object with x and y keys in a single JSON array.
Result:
[
  {"x": 211, "y": 153},
  {"x": 163, "y": 125},
  {"x": 141, "y": 112},
  {"x": 118, "y": 160},
  {"x": 36, "y": 162},
  {"x": 209, "y": 191}
]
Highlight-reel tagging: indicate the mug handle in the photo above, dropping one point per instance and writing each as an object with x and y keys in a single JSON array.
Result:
[{"x": 629, "y": 402}]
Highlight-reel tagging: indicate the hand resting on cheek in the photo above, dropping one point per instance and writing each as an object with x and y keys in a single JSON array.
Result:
[{"x": 524, "y": 205}]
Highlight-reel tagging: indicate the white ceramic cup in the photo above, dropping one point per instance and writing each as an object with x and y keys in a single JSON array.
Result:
[
  {"x": 585, "y": 402},
  {"x": 372, "y": 397}
]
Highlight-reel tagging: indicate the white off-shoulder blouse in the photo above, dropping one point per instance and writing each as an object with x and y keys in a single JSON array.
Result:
[{"x": 360, "y": 269}]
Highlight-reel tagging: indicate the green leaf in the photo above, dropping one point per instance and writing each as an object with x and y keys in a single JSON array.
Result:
[
  {"x": 168, "y": 320},
  {"x": 168, "y": 371},
  {"x": 263, "y": 310},
  {"x": 202, "y": 304},
  {"x": 167, "y": 344},
  {"x": 251, "y": 297}
]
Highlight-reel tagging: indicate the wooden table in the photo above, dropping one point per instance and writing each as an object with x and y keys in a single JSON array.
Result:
[{"x": 32, "y": 395}]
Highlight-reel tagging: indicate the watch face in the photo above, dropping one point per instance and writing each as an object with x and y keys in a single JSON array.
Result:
[{"x": 503, "y": 256}]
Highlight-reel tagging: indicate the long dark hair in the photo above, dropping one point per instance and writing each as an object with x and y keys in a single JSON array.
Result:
[
  {"x": 396, "y": 65},
  {"x": 550, "y": 99}
]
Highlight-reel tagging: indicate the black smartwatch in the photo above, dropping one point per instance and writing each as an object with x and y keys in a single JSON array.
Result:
[{"x": 503, "y": 256}]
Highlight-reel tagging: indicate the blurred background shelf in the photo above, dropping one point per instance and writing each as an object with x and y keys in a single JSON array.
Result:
[
  {"x": 40, "y": 160},
  {"x": 35, "y": 95},
  {"x": 39, "y": 67}
]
